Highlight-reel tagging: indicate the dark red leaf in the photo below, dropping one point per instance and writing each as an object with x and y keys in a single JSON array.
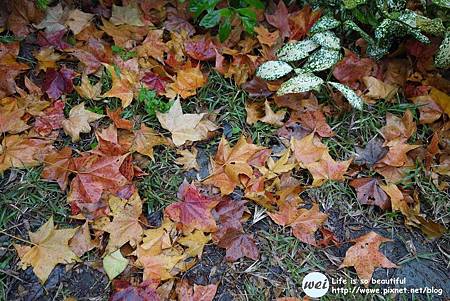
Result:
[
  {"x": 202, "y": 49},
  {"x": 54, "y": 39},
  {"x": 352, "y": 69},
  {"x": 57, "y": 83},
  {"x": 257, "y": 88},
  {"x": 301, "y": 22},
  {"x": 280, "y": 19},
  {"x": 154, "y": 81},
  {"x": 124, "y": 291}
]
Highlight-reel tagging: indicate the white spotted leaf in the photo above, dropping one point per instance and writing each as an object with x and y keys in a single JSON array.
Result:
[
  {"x": 272, "y": 70},
  {"x": 348, "y": 93}
]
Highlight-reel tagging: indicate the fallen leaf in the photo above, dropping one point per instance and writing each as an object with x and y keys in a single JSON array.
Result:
[
  {"x": 271, "y": 117},
  {"x": 129, "y": 15},
  {"x": 238, "y": 245},
  {"x": 309, "y": 149},
  {"x": 301, "y": 21},
  {"x": 123, "y": 290},
  {"x": 122, "y": 86},
  {"x": 118, "y": 121},
  {"x": 47, "y": 58},
  {"x": 77, "y": 20},
  {"x": 201, "y": 48},
  {"x": 364, "y": 256},
  {"x": 22, "y": 151},
  {"x": 397, "y": 154},
  {"x": 265, "y": 37},
  {"x": 9, "y": 68},
  {"x": 372, "y": 153},
  {"x": 351, "y": 69},
  {"x": 153, "y": 46},
  {"x": 53, "y": 20},
  {"x": 429, "y": 110},
  {"x": 280, "y": 19},
  {"x": 274, "y": 169},
  {"x": 58, "y": 166},
  {"x": 398, "y": 128},
  {"x": 184, "y": 127},
  {"x": 369, "y": 192},
  {"x": 230, "y": 163},
  {"x": 78, "y": 121},
  {"x": 50, "y": 247},
  {"x": 378, "y": 89},
  {"x": 307, "y": 223},
  {"x": 57, "y": 83},
  {"x": 51, "y": 119},
  {"x": 125, "y": 226},
  {"x": 10, "y": 116},
  {"x": 145, "y": 139},
  {"x": 86, "y": 90},
  {"x": 327, "y": 169},
  {"x": 114, "y": 264},
  {"x": 81, "y": 242},
  {"x": 193, "y": 211},
  {"x": 95, "y": 175},
  {"x": 188, "y": 159},
  {"x": 195, "y": 242},
  {"x": 23, "y": 12},
  {"x": 188, "y": 80},
  {"x": 157, "y": 267},
  {"x": 186, "y": 292},
  {"x": 442, "y": 99}
]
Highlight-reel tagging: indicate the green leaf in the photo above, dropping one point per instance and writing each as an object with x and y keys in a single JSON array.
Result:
[
  {"x": 248, "y": 18},
  {"x": 296, "y": 51},
  {"x": 211, "y": 19},
  {"x": 354, "y": 100},
  {"x": 272, "y": 70},
  {"x": 442, "y": 3},
  {"x": 322, "y": 59},
  {"x": 442, "y": 58},
  {"x": 327, "y": 39},
  {"x": 348, "y": 24},
  {"x": 303, "y": 82},
  {"x": 323, "y": 24},
  {"x": 350, "y": 4},
  {"x": 114, "y": 264},
  {"x": 225, "y": 29}
]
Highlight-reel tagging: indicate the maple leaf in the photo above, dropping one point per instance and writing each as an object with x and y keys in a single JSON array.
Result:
[
  {"x": 47, "y": 58},
  {"x": 442, "y": 99},
  {"x": 398, "y": 128},
  {"x": 153, "y": 46},
  {"x": 378, "y": 89},
  {"x": 229, "y": 215},
  {"x": 429, "y": 110},
  {"x": 195, "y": 242},
  {"x": 51, "y": 119},
  {"x": 124, "y": 35},
  {"x": 10, "y": 116},
  {"x": 77, "y": 20},
  {"x": 81, "y": 242},
  {"x": 397, "y": 154},
  {"x": 274, "y": 169},
  {"x": 372, "y": 153},
  {"x": 57, "y": 83},
  {"x": 23, "y": 151},
  {"x": 122, "y": 86},
  {"x": 23, "y": 12},
  {"x": 50, "y": 247},
  {"x": 197, "y": 293},
  {"x": 125, "y": 226},
  {"x": 280, "y": 19},
  {"x": 257, "y": 87},
  {"x": 309, "y": 149},
  {"x": 53, "y": 39},
  {"x": 118, "y": 121},
  {"x": 351, "y": 69},
  {"x": 188, "y": 80},
  {"x": 154, "y": 82},
  {"x": 108, "y": 142},
  {"x": 159, "y": 266},
  {"x": 201, "y": 48},
  {"x": 313, "y": 121},
  {"x": 9, "y": 68},
  {"x": 370, "y": 193},
  {"x": 129, "y": 15},
  {"x": 58, "y": 166},
  {"x": 300, "y": 22},
  {"x": 188, "y": 159},
  {"x": 87, "y": 90},
  {"x": 53, "y": 19},
  {"x": 114, "y": 264},
  {"x": 238, "y": 245},
  {"x": 145, "y": 139},
  {"x": 287, "y": 212},
  {"x": 265, "y": 37},
  {"x": 307, "y": 223},
  {"x": 327, "y": 169},
  {"x": 95, "y": 175},
  {"x": 365, "y": 256},
  {"x": 230, "y": 163},
  {"x": 193, "y": 211},
  {"x": 123, "y": 290},
  {"x": 78, "y": 121},
  {"x": 184, "y": 127}
]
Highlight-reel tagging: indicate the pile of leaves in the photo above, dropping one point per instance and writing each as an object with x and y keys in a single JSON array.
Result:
[{"x": 70, "y": 72}]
